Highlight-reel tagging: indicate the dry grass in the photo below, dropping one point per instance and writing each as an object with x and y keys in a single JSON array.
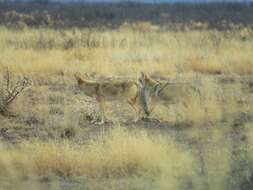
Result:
[
  {"x": 106, "y": 52},
  {"x": 49, "y": 53},
  {"x": 216, "y": 96},
  {"x": 147, "y": 160},
  {"x": 119, "y": 153},
  {"x": 204, "y": 102}
]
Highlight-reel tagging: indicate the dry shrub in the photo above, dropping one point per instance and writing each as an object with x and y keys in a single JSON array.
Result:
[{"x": 10, "y": 88}]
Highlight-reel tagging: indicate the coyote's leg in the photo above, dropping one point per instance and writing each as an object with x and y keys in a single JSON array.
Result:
[
  {"x": 101, "y": 104},
  {"x": 132, "y": 100},
  {"x": 136, "y": 109}
]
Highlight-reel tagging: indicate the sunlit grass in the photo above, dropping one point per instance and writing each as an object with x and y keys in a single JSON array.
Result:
[
  {"x": 202, "y": 160},
  {"x": 106, "y": 52},
  {"x": 119, "y": 153}
]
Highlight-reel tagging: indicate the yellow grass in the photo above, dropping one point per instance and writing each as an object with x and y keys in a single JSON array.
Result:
[
  {"x": 51, "y": 57},
  {"x": 166, "y": 52},
  {"x": 118, "y": 153}
]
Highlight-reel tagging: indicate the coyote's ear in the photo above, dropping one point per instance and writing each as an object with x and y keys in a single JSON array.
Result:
[
  {"x": 144, "y": 75},
  {"x": 78, "y": 78}
]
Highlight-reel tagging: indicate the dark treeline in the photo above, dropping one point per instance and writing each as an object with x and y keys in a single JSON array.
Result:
[{"x": 109, "y": 15}]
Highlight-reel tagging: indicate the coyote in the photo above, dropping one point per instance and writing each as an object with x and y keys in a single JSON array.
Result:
[
  {"x": 133, "y": 91},
  {"x": 151, "y": 88},
  {"x": 154, "y": 87},
  {"x": 165, "y": 91}
]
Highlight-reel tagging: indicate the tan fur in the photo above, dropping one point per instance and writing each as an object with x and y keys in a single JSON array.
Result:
[
  {"x": 165, "y": 90},
  {"x": 152, "y": 89},
  {"x": 110, "y": 90}
]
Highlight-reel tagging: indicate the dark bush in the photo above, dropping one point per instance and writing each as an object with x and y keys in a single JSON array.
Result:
[{"x": 41, "y": 13}]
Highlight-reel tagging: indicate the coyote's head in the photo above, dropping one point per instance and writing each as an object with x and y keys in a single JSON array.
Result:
[
  {"x": 149, "y": 89},
  {"x": 153, "y": 86},
  {"x": 79, "y": 79}
]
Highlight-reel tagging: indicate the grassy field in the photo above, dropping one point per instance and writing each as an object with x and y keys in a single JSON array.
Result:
[
  {"x": 204, "y": 136},
  {"x": 138, "y": 47}
]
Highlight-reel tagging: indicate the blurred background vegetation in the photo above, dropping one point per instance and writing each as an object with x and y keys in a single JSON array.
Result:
[{"x": 175, "y": 16}]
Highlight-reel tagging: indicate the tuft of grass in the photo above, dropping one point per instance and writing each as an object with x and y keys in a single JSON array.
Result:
[{"x": 114, "y": 154}]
